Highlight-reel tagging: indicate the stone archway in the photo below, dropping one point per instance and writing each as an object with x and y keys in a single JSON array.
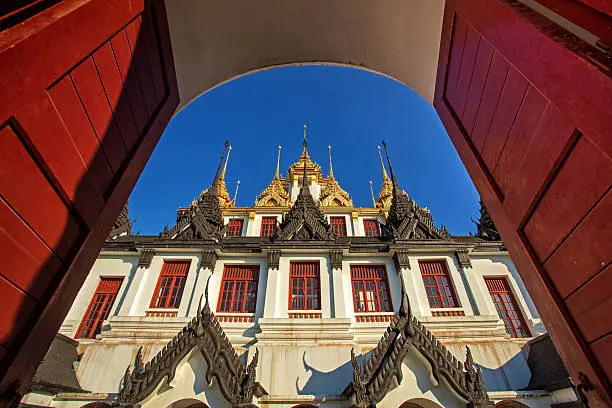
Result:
[
  {"x": 510, "y": 404},
  {"x": 68, "y": 140},
  {"x": 188, "y": 403}
]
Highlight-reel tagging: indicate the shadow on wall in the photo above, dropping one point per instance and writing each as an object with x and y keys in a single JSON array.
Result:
[{"x": 320, "y": 382}]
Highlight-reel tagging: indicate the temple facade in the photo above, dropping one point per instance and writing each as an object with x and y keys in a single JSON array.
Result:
[{"x": 303, "y": 300}]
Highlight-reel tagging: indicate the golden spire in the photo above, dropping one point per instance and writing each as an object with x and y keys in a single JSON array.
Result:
[
  {"x": 275, "y": 194},
  {"x": 331, "y": 168},
  {"x": 372, "y": 192},
  {"x": 298, "y": 167},
  {"x": 219, "y": 187},
  {"x": 386, "y": 191},
  {"x": 277, "y": 174},
  {"x": 333, "y": 195},
  {"x": 236, "y": 192}
]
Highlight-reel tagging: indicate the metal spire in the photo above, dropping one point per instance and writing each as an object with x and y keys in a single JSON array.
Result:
[
  {"x": 331, "y": 169},
  {"x": 389, "y": 163},
  {"x": 305, "y": 144},
  {"x": 384, "y": 171},
  {"x": 277, "y": 174},
  {"x": 229, "y": 150},
  {"x": 372, "y": 191},
  {"x": 236, "y": 192},
  {"x": 215, "y": 184}
]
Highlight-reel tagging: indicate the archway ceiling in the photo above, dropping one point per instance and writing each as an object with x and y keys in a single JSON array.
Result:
[{"x": 213, "y": 43}]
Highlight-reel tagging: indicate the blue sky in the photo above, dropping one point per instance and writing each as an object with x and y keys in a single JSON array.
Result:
[{"x": 351, "y": 110}]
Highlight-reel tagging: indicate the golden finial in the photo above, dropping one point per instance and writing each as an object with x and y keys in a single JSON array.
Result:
[
  {"x": 277, "y": 174},
  {"x": 236, "y": 192},
  {"x": 331, "y": 168},
  {"x": 384, "y": 171},
  {"x": 372, "y": 191},
  {"x": 229, "y": 150},
  {"x": 389, "y": 163}
]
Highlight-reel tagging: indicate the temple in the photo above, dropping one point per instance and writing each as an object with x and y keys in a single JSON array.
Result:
[{"x": 303, "y": 300}]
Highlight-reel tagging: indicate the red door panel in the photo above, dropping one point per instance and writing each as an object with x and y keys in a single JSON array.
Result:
[
  {"x": 88, "y": 87},
  {"x": 533, "y": 129}
]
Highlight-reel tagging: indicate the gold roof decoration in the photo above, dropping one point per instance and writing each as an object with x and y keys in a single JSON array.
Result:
[
  {"x": 386, "y": 191},
  {"x": 333, "y": 195},
  {"x": 224, "y": 199},
  {"x": 311, "y": 167},
  {"x": 275, "y": 194}
]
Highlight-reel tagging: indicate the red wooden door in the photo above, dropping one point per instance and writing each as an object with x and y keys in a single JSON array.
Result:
[
  {"x": 87, "y": 88},
  {"x": 529, "y": 109}
]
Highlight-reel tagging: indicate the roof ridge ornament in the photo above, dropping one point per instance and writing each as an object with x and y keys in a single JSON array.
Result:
[
  {"x": 204, "y": 219},
  {"x": 373, "y": 379},
  {"x": 304, "y": 159},
  {"x": 236, "y": 380},
  {"x": 304, "y": 221},
  {"x": 406, "y": 220}
]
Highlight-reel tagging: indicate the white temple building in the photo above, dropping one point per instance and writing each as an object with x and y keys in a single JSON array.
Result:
[{"x": 303, "y": 300}]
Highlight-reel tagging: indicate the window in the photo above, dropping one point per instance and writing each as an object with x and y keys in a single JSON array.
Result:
[
  {"x": 437, "y": 284},
  {"x": 239, "y": 289},
  {"x": 170, "y": 284},
  {"x": 99, "y": 307},
  {"x": 338, "y": 225},
  {"x": 370, "y": 288},
  {"x": 268, "y": 226},
  {"x": 506, "y": 306},
  {"x": 304, "y": 290},
  {"x": 372, "y": 228},
  {"x": 235, "y": 227}
]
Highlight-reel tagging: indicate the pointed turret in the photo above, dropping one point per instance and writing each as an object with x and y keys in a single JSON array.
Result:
[
  {"x": 386, "y": 191},
  {"x": 275, "y": 194},
  {"x": 406, "y": 220},
  {"x": 304, "y": 221},
  {"x": 202, "y": 220},
  {"x": 486, "y": 227},
  {"x": 312, "y": 168},
  {"x": 333, "y": 195}
]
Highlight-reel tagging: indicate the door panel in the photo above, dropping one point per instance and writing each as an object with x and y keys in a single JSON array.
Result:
[
  {"x": 79, "y": 117},
  {"x": 534, "y": 132}
]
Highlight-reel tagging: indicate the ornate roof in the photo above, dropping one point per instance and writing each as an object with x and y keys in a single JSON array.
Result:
[
  {"x": 304, "y": 221},
  {"x": 486, "y": 227},
  {"x": 224, "y": 199},
  {"x": 372, "y": 381},
  {"x": 275, "y": 194},
  {"x": 386, "y": 191},
  {"x": 123, "y": 224},
  {"x": 203, "y": 219},
  {"x": 236, "y": 380},
  {"x": 333, "y": 195},
  {"x": 305, "y": 161},
  {"x": 406, "y": 219}
]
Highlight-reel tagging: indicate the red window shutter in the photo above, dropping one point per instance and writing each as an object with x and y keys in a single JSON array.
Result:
[
  {"x": 268, "y": 226},
  {"x": 170, "y": 285},
  {"x": 437, "y": 283},
  {"x": 235, "y": 227},
  {"x": 506, "y": 307},
  {"x": 371, "y": 228},
  {"x": 239, "y": 289},
  {"x": 99, "y": 308},
  {"x": 370, "y": 288},
  {"x": 304, "y": 286},
  {"x": 338, "y": 225}
]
